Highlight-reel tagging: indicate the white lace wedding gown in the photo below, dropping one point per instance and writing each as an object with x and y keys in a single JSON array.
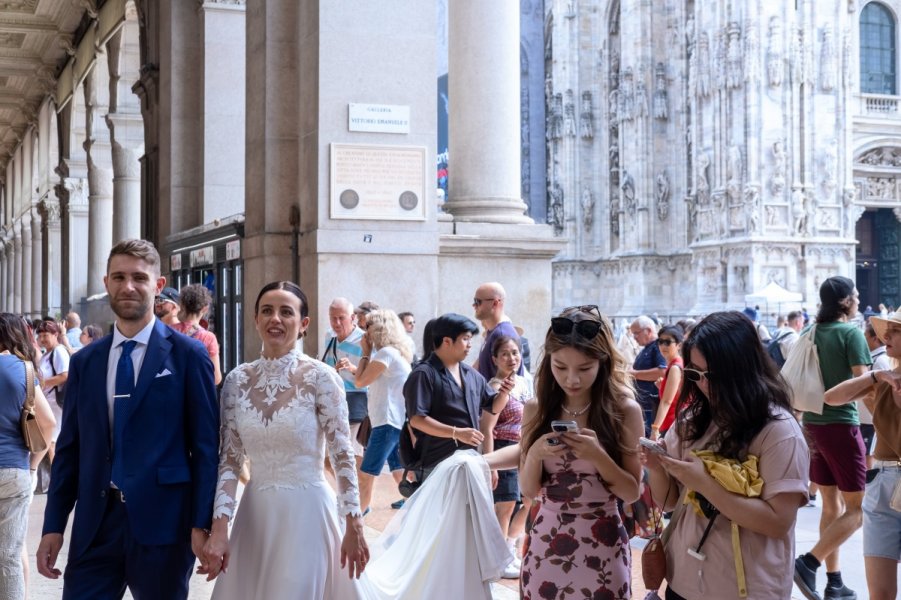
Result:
[{"x": 286, "y": 539}]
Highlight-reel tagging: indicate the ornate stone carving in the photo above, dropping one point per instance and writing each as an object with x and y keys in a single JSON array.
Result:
[
  {"x": 734, "y": 172},
  {"x": 847, "y": 57},
  {"x": 775, "y": 59},
  {"x": 641, "y": 97},
  {"x": 614, "y": 213},
  {"x": 720, "y": 59},
  {"x": 829, "y": 168},
  {"x": 660, "y": 101},
  {"x": 780, "y": 160},
  {"x": 555, "y": 117},
  {"x": 626, "y": 95},
  {"x": 586, "y": 119},
  {"x": 884, "y": 157},
  {"x": 569, "y": 118},
  {"x": 828, "y": 60},
  {"x": 702, "y": 187},
  {"x": 661, "y": 195},
  {"x": 752, "y": 208},
  {"x": 734, "y": 59},
  {"x": 881, "y": 188},
  {"x": 704, "y": 64},
  {"x": 555, "y": 214},
  {"x": 799, "y": 211},
  {"x": 752, "y": 53},
  {"x": 587, "y": 209},
  {"x": 628, "y": 188}
]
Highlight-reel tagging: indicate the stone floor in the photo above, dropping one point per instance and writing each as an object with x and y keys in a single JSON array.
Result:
[{"x": 385, "y": 493}]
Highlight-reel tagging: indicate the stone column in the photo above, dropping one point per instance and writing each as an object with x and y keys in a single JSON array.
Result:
[
  {"x": 124, "y": 129},
  {"x": 52, "y": 245},
  {"x": 27, "y": 266},
  {"x": 38, "y": 266},
  {"x": 484, "y": 127},
  {"x": 100, "y": 181},
  {"x": 74, "y": 248},
  {"x": 3, "y": 248},
  {"x": 8, "y": 269},
  {"x": 17, "y": 275}
]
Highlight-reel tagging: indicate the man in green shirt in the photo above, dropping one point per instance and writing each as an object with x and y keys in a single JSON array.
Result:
[{"x": 838, "y": 458}]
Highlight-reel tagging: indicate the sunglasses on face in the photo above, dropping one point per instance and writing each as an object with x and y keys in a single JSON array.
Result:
[
  {"x": 665, "y": 342},
  {"x": 478, "y": 301},
  {"x": 695, "y": 375}
]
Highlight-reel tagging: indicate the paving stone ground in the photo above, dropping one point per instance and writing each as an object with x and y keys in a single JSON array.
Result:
[{"x": 386, "y": 492}]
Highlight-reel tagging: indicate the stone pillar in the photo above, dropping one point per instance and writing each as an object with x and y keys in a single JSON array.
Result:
[
  {"x": 124, "y": 129},
  {"x": 74, "y": 214},
  {"x": 52, "y": 245},
  {"x": 38, "y": 266},
  {"x": 8, "y": 270},
  {"x": 27, "y": 266},
  {"x": 17, "y": 275},
  {"x": 484, "y": 126},
  {"x": 100, "y": 180},
  {"x": 3, "y": 248}
]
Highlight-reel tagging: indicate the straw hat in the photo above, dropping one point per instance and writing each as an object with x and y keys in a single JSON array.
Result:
[{"x": 880, "y": 324}]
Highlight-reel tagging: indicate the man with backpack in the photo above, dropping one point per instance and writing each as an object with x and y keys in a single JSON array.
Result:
[{"x": 785, "y": 337}]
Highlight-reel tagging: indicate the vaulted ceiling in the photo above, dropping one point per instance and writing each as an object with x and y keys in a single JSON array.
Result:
[{"x": 35, "y": 39}]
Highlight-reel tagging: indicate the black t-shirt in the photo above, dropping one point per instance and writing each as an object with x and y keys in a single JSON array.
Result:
[{"x": 431, "y": 391}]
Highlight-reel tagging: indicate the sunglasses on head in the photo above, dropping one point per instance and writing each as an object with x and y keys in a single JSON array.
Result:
[
  {"x": 585, "y": 328},
  {"x": 695, "y": 375}
]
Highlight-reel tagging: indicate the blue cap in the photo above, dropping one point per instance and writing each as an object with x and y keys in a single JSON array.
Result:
[{"x": 750, "y": 313}]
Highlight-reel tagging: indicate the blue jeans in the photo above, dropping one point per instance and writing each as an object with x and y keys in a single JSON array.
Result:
[{"x": 382, "y": 446}]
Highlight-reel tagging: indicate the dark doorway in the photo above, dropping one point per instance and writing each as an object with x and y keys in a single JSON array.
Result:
[{"x": 878, "y": 259}]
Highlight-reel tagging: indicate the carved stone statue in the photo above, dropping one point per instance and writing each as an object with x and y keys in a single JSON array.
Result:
[
  {"x": 555, "y": 214},
  {"x": 829, "y": 168},
  {"x": 661, "y": 195},
  {"x": 660, "y": 108},
  {"x": 641, "y": 99},
  {"x": 626, "y": 95},
  {"x": 586, "y": 119},
  {"x": 628, "y": 187},
  {"x": 557, "y": 118},
  {"x": 704, "y": 64},
  {"x": 752, "y": 53},
  {"x": 569, "y": 116},
  {"x": 703, "y": 183},
  {"x": 734, "y": 172},
  {"x": 780, "y": 160},
  {"x": 775, "y": 60},
  {"x": 587, "y": 209},
  {"x": 799, "y": 211},
  {"x": 828, "y": 60},
  {"x": 752, "y": 209},
  {"x": 734, "y": 58},
  {"x": 770, "y": 215},
  {"x": 614, "y": 213}
]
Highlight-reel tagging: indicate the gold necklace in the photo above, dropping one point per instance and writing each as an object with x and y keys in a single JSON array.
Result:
[{"x": 576, "y": 413}]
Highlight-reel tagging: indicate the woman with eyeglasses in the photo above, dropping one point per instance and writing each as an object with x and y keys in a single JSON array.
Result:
[
  {"x": 669, "y": 340},
  {"x": 579, "y": 454},
  {"x": 739, "y": 456}
]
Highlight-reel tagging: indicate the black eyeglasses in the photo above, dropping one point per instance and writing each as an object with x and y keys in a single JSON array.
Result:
[
  {"x": 665, "y": 342},
  {"x": 586, "y": 328},
  {"x": 695, "y": 375},
  {"x": 478, "y": 301}
]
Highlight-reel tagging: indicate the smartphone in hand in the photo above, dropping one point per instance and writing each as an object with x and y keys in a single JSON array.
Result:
[
  {"x": 651, "y": 446},
  {"x": 562, "y": 427}
]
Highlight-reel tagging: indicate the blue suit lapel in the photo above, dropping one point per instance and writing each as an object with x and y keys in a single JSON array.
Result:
[
  {"x": 96, "y": 380},
  {"x": 158, "y": 348}
]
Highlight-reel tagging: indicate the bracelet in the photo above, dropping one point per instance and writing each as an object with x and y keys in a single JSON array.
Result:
[
  {"x": 873, "y": 376},
  {"x": 362, "y": 358},
  {"x": 454, "y": 436},
  {"x": 655, "y": 427}
]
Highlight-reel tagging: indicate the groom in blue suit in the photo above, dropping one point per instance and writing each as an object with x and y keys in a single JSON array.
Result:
[{"x": 137, "y": 456}]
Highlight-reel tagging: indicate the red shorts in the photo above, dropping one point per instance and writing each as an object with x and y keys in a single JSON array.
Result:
[{"x": 837, "y": 456}]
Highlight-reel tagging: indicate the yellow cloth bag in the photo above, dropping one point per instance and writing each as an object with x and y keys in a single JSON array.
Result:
[{"x": 741, "y": 478}]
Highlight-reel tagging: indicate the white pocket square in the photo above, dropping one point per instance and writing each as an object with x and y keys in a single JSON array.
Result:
[{"x": 164, "y": 373}]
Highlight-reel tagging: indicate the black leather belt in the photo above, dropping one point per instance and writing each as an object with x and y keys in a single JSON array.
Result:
[{"x": 117, "y": 494}]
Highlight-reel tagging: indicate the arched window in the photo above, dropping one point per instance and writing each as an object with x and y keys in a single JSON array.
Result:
[{"x": 877, "y": 50}]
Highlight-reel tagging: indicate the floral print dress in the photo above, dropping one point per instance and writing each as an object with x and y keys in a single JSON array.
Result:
[{"x": 578, "y": 547}]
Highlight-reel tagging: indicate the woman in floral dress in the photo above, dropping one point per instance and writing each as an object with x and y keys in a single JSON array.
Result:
[{"x": 578, "y": 546}]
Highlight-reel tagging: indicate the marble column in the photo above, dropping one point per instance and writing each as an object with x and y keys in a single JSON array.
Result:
[
  {"x": 17, "y": 275},
  {"x": 124, "y": 129},
  {"x": 100, "y": 180},
  {"x": 27, "y": 266},
  {"x": 484, "y": 126},
  {"x": 3, "y": 305},
  {"x": 52, "y": 244},
  {"x": 75, "y": 211},
  {"x": 38, "y": 266},
  {"x": 8, "y": 269}
]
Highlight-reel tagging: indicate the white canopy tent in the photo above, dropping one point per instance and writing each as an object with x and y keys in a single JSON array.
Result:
[{"x": 774, "y": 298}]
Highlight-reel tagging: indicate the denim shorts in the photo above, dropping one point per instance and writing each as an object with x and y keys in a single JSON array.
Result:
[
  {"x": 882, "y": 524},
  {"x": 382, "y": 446}
]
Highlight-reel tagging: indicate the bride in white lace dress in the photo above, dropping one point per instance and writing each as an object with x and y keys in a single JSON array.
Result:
[{"x": 281, "y": 411}]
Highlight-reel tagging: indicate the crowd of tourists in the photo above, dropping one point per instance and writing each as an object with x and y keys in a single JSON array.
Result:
[{"x": 685, "y": 433}]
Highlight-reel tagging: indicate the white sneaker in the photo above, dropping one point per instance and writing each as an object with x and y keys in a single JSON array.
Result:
[{"x": 512, "y": 570}]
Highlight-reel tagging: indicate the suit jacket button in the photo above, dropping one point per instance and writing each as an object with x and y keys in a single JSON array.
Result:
[{"x": 103, "y": 494}]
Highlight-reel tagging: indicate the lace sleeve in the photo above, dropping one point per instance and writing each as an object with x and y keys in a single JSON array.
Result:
[
  {"x": 231, "y": 450},
  {"x": 331, "y": 410}
]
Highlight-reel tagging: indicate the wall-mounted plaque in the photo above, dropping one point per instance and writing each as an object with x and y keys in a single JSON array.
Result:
[
  {"x": 378, "y": 118},
  {"x": 377, "y": 182}
]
